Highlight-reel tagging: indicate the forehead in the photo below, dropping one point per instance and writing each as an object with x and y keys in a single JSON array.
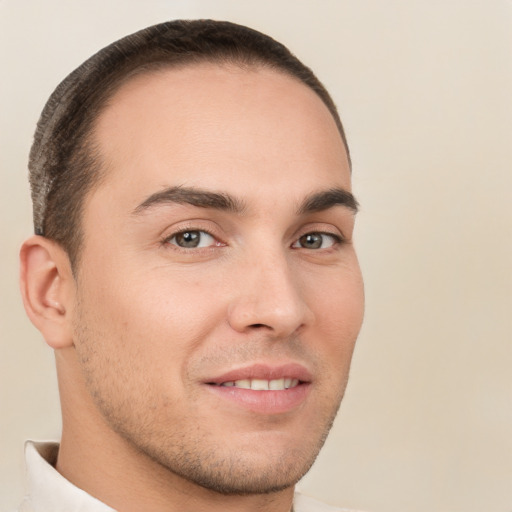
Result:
[{"x": 219, "y": 125}]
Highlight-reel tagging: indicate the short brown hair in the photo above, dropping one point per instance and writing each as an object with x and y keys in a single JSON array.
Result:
[{"x": 63, "y": 162}]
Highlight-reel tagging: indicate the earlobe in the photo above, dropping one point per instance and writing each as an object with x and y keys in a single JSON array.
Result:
[{"x": 47, "y": 287}]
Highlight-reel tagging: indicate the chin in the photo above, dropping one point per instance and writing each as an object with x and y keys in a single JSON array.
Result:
[
  {"x": 263, "y": 464},
  {"x": 247, "y": 477}
]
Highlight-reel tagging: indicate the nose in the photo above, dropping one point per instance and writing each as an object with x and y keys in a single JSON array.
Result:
[{"x": 269, "y": 298}]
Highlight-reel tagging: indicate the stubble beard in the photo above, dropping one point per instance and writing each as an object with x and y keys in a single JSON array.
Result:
[
  {"x": 229, "y": 473},
  {"x": 197, "y": 459},
  {"x": 194, "y": 456}
]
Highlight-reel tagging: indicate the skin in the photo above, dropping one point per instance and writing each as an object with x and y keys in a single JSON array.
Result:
[{"x": 144, "y": 324}]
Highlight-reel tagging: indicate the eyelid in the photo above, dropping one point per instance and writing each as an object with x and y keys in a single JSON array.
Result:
[
  {"x": 338, "y": 239},
  {"x": 186, "y": 230},
  {"x": 324, "y": 228},
  {"x": 210, "y": 240},
  {"x": 171, "y": 233}
]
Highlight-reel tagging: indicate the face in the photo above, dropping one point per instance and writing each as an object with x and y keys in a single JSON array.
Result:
[{"x": 219, "y": 295}]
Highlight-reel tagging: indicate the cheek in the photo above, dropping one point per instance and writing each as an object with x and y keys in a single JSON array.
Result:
[
  {"x": 157, "y": 315},
  {"x": 337, "y": 300},
  {"x": 135, "y": 338},
  {"x": 339, "y": 314}
]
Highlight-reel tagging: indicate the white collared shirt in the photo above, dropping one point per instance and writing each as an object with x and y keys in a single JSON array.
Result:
[{"x": 49, "y": 491}]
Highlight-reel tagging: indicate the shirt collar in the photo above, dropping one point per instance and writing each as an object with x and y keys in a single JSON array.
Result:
[{"x": 48, "y": 490}]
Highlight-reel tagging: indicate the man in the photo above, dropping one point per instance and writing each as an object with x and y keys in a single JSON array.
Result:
[{"x": 193, "y": 270}]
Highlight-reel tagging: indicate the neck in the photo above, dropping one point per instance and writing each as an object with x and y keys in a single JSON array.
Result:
[{"x": 101, "y": 462}]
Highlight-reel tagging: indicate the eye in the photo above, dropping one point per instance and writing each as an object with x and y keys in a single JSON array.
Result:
[
  {"x": 192, "y": 239},
  {"x": 317, "y": 241}
]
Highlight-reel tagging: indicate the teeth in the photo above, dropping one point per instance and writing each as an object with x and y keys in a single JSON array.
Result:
[
  {"x": 259, "y": 384},
  {"x": 244, "y": 384},
  {"x": 277, "y": 384},
  {"x": 262, "y": 384}
]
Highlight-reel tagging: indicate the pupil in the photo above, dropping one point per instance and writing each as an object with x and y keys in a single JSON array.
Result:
[
  {"x": 312, "y": 241},
  {"x": 188, "y": 239}
]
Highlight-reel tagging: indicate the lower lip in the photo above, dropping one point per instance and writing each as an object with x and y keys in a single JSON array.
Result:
[{"x": 264, "y": 402}]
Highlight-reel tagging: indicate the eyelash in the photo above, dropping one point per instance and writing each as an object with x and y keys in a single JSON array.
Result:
[
  {"x": 167, "y": 239},
  {"x": 337, "y": 240}
]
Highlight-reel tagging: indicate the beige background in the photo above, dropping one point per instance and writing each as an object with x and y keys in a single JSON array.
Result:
[{"x": 424, "y": 88}]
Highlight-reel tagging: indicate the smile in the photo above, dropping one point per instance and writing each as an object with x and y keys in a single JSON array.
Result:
[
  {"x": 263, "y": 389},
  {"x": 263, "y": 384}
]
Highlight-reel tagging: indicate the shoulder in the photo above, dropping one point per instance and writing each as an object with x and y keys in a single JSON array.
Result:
[{"x": 302, "y": 503}]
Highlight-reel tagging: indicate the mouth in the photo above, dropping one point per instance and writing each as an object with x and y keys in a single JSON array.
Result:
[
  {"x": 264, "y": 389},
  {"x": 261, "y": 384}
]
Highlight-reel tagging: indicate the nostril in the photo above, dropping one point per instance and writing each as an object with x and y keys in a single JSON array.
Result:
[{"x": 258, "y": 326}]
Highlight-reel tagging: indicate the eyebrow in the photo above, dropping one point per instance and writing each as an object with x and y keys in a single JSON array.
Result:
[
  {"x": 326, "y": 199},
  {"x": 315, "y": 202},
  {"x": 193, "y": 197}
]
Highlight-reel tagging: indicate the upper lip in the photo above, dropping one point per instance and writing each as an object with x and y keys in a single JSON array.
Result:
[{"x": 264, "y": 372}]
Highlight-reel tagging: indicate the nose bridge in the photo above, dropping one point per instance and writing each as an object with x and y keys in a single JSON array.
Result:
[{"x": 269, "y": 295}]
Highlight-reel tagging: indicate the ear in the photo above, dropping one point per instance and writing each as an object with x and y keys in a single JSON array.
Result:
[{"x": 47, "y": 287}]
